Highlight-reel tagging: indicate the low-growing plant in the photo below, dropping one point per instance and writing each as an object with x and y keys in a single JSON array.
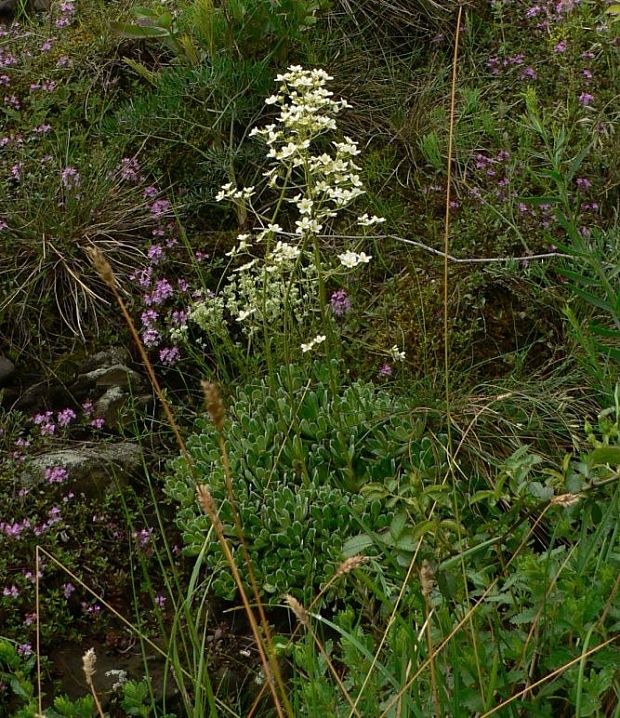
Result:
[
  {"x": 240, "y": 29},
  {"x": 300, "y": 455}
]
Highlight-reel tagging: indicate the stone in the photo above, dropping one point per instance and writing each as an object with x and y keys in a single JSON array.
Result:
[
  {"x": 43, "y": 395},
  {"x": 117, "y": 375},
  {"x": 117, "y": 408},
  {"x": 106, "y": 357},
  {"x": 7, "y": 369},
  {"x": 91, "y": 470},
  {"x": 102, "y": 378},
  {"x": 9, "y": 9}
]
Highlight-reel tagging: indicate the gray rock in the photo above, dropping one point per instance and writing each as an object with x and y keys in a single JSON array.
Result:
[
  {"x": 107, "y": 357},
  {"x": 92, "y": 470},
  {"x": 110, "y": 387},
  {"x": 117, "y": 375},
  {"x": 7, "y": 369},
  {"x": 10, "y": 8},
  {"x": 118, "y": 408}
]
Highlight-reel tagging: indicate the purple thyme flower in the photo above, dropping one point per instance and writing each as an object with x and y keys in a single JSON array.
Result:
[
  {"x": 129, "y": 169},
  {"x": 70, "y": 178},
  {"x": 163, "y": 290},
  {"x": 55, "y": 474},
  {"x": 169, "y": 355},
  {"x": 148, "y": 317},
  {"x": 151, "y": 337},
  {"x": 155, "y": 253},
  {"x": 340, "y": 303},
  {"x": 159, "y": 207},
  {"x": 65, "y": 417}
]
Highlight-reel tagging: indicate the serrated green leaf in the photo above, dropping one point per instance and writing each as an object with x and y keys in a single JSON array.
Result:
[{"x": 356, "y": 545}]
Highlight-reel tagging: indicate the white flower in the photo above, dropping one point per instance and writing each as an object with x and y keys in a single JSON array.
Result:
[
  {"x": 119, "y": 675},
  {"x": 283, "y": 251},
  {"x": 319, "y": 339},
  {"x": 243, "y": 193},
  {"x": 366, "y": 221},
  {"x": 397, "y": 354},
  {"x": 245, "y": 313},
  {"x": 245, "y": 267},
  {"x": 348, "y": 147},
  {"x": 353, "y": 259},
  {"x": 224, "y": 192},
  {"x": 269, "y": 230},
  {"x": 273, "y": 99},
  {"x": 306, "y": 225},
  {"x": 305, "y": 206},
  {"x": 241, "y": 247}
]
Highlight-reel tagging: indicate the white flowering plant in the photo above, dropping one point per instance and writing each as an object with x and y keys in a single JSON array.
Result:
[{"x": 282, "y": 274}]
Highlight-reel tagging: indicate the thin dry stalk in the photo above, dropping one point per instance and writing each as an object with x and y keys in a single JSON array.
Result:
[
  {"x": 345, "y": 567},
  {"x": 390, "y": 622},
  {"x": 446, "y": 325},
  {"x": 541, "y": 610},
  {"x": 446, "y": 243},
  {"x": 106, "y": 273},
  {"x": 217, "y": 413},
  {"x": 298, "y": 610},
  {"x": 466, "y": 618},
  {"x": 89, "y": 659},
  {"x": 37, "y": 573},
  {"x": 108, "y": 607},
  {"x": 208, "y": 505},
  {"x": 304, "y": 619},
  {"x": 427, "y": 579},
  {"x": 610, "y": 601},
  {"x": 551, "y": 675},
  {"x": 348, "y": 565}
]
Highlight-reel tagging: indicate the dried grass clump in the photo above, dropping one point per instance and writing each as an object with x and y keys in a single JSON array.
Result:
[
  {"x": 46, "y": 277},
  {"x": 398, "y": 17}
]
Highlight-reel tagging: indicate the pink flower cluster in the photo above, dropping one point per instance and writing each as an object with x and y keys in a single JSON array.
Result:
[
  {"x": 67, "y": 14},
  {"x": 159, "y": 293}
]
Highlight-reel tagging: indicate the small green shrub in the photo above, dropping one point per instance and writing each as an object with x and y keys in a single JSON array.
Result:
[
  {"x": 240, "y": 29},
  {"x": 299, "y": 455}
]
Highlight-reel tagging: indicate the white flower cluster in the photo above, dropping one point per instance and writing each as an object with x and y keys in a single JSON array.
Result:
[
  {"x": 350, "y": 260},
  {"x": 313, "y": 343},
  {"x": 258, "y": 294},
  {"x": 229, "y": 192},
  {"x": 397, "y": 354},
  {"x": 330, "y": 183},
  {"x": 284, "y": 281}
]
